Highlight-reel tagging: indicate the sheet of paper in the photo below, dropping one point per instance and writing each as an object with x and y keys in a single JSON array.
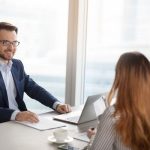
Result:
[
  {"x": 82, "y": 137},
  {"x": 99, "y": 106},
  {"x": 43, "y": 124}
]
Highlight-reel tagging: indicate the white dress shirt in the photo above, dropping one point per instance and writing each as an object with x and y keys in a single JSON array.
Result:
[{"x": 5, "y": 69}]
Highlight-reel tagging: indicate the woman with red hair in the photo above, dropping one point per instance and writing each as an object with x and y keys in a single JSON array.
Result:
[{"x": 126, "y": 124}]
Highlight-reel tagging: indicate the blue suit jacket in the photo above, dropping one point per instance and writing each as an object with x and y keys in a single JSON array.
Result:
[{"x": 23, "y": 84}]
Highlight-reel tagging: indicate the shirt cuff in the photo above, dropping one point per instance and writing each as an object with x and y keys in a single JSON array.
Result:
[
  {"x": 13, "y": 116},
  {"x": 55, "y": 105}
]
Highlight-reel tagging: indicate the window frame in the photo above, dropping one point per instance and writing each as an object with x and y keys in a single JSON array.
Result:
[{"x": 76, "y": 52}]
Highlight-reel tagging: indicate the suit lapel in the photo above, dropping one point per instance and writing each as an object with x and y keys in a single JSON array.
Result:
[
  {"x": 15, "y": 77},
  {"x": 3, "y": 90},
  {"x": 15, "y": 70}
]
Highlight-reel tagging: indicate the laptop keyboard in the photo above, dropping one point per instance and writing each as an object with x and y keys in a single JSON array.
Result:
[{"x": 73, "y": 119}]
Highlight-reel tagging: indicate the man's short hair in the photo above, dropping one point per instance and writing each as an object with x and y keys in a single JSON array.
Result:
[{"x": 8, "y": 26}]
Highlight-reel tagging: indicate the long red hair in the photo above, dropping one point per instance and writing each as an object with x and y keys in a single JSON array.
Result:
[{"x": 132, "y": 108}]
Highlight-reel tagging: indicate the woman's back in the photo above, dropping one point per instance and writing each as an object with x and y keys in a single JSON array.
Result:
[{"x": 106, "y": 137}]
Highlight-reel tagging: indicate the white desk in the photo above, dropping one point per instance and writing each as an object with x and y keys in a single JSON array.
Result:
[{"x": 14, "y": 136}]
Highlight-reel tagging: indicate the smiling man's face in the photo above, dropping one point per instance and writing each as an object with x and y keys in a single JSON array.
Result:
[{"x": 7, "y": 51}]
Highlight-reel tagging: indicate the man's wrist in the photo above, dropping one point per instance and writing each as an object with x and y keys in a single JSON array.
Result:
[
  {"x": 13, "y": 116},
  {"x": 55, "y": 105}
]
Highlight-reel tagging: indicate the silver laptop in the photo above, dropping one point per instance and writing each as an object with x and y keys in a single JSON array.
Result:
[{"x": 94, "y": 106}]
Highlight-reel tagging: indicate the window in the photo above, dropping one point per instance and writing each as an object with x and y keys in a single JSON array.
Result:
[
  {"x": 113, "y": 27},
  {"x": 42, "y": 34}
]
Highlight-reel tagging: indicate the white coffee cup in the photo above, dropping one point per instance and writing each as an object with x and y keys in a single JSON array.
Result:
[{"x": 60, "y": 134}]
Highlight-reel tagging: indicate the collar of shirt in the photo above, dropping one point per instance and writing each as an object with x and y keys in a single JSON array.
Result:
[{"x": 5, "y": 66}]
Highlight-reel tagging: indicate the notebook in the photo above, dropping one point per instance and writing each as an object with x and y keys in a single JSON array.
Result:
[
  {"x": 43, "y": 124},
  {"x": 88, "y": 113}
]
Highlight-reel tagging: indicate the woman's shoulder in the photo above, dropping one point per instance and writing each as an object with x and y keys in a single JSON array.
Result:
[
  {"x": 109, "y": 110},
  {"x": 108, "y": 113}
]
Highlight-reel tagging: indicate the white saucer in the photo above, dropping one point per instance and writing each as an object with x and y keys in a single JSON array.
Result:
[{"x": 52, "y": 139}]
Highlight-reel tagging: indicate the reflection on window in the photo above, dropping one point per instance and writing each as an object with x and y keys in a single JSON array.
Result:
[
  {"x": 113, "y": 28},
  {"x": 43, "y": 37}
]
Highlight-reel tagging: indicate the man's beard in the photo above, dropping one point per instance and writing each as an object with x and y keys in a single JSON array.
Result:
[{"x": 4, "y": 58}]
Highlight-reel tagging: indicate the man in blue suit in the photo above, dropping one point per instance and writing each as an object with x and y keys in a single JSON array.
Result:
[{"x": 14, "y": 82}]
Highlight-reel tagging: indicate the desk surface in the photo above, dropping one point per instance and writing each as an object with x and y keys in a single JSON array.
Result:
[{"x": 14, "y": 136}]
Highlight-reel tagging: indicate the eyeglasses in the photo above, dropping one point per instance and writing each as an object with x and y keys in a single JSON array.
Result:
[{"x": 7, "y": 43}]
